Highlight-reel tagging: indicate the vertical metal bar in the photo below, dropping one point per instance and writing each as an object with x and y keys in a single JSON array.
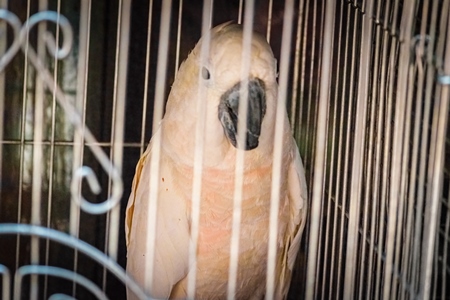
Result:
[
  {"x": 120, "y": 86},
  {"x": 3, "y": 47},
  {"x": 351, "y": 64},
  {"x": 310, "y": 138},
  {"x": 397, "y": 150},
  {"x": 240, "y": 154},
  {"x": 118, "y": 124},
  {"x": 297, "y": 94},
  {"x": 408, "y": 260},
  {"x": 302, "y": 135},
  {"x": 298, "y": 80},
  {"x": 435, "y": 267},
  {"x": 52, "y": 151},
  {"x": 280, "y": 122},
  {"x": 404, "y": 171},
  {"x": 241, "y": 5},
  {"x": 161, "y": 71},
  {"x": 269, "y": 21},
  {"x": 80, "y": 104},
  {"x": 199, "y": 151},
  {"x": 387, "y": 71},
  {"x": 436, "y": 178},
  {"x": 177, "y": 50},
  {"x": 331, "y": 233},
  {"x": 423, "y": 160},
  {"x": 446, "y": 250},
  {"x": 146, "y": 76},
  {"x": 6, "y": 275},
  {"x": 315, "y": 96},
  {"x": 432, "y": 97},
  {"x": 339, "y": 161},
  {"x": 295, "y": 81},
  {"x": 38, "y": 138},
  {"x": 386, "y": 164},
  {"x": 335, "y": 139},
  {"x": 318, "y": 26},
  {"x": 210, "y": 14},
  {"x": 38, "y": 161},
  {"x": 358, "y": 153},
  {"x": 319, "y": 162},
  {"x": 370, "y": 162},
  {"x": 422, "y": 71},
  {"x": 378, "y": 106},
  {"x": 303, "y": 75},
  {"x": 22, "y": 138}
]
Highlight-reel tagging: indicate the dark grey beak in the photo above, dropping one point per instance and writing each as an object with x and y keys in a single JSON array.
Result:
[{"x": 229, "y": 113}]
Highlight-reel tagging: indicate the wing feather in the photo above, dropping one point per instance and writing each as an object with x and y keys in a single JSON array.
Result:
[
  {"x": 172, "y": 228},
  {"x": 129, "y": 212},
  {"x": 297, "y": 197}
]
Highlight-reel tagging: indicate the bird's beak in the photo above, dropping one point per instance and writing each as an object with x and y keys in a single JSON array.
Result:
[{"x": 229, "y": 113}]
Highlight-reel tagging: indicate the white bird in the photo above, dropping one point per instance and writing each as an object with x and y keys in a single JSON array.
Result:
[{"x": 221, "y": 80}]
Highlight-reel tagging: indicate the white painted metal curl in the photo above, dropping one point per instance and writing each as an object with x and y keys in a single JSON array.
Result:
[
  {"x": 71, "y": 112},
  {"x": 69, "y": 241}
]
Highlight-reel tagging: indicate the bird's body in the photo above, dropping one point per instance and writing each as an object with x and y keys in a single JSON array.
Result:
[{"x": 174, "y": 205}]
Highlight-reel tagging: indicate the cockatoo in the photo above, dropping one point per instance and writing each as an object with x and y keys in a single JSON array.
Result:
[{"x": 221, "y": 79}]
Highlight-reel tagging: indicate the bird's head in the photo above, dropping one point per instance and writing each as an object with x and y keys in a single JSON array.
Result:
[{"x": 218, "y": 80}]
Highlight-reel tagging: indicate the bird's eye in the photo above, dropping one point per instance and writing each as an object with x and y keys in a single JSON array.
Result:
[{"x": 205, "y": 73}]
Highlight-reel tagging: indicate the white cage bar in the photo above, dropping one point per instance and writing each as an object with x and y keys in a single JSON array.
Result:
[{"x": 366, "y": 85}]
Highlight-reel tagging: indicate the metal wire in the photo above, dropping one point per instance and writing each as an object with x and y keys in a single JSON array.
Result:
[
  {"x": 240, "y": 155},
  {"x": 358, "y": 154},
  {"x": 369, "y": 110},
  {"x": 52, "y": 152},
  {"x": 22, "y": 138},
  {"x": 320, "y": 159},
  {"x": 37, "y": 178},
  {"x": 156, "y": 149},
  {"x": 146, "y": 77},
  {"x": 440, "y": 120},
  {"x": 80, "y": 104},
  {"x": 3, "y": 46},
  {"x": 334, "y": 143},
  {"x": 200, "y": 127},
  {"x": 280, "y": 121}
]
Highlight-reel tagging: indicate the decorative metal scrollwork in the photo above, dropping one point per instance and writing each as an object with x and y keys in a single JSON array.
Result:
[
  {"x": 57, "y": 272},
  {"x": 69, "y": 241},
  {"x": 20, "y": 34},
  {"x": 6, "y": 279}
]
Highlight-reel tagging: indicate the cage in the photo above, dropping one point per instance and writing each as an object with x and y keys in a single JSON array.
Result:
[{"x": 366, "y": 86}]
